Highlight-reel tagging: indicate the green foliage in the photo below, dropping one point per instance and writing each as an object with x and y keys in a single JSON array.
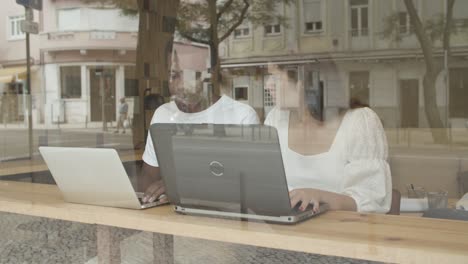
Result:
[{"x": 194, "y": 16}]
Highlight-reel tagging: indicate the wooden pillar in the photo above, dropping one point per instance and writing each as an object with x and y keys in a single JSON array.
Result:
[{"x": 155, "y": 38}]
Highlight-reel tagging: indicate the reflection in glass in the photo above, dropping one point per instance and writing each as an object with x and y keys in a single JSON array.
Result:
[{"x": 406, "y": 60}]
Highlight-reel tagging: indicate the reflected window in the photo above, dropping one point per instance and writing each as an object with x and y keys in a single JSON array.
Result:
[
  {"x": 15, "y": 31},
  {"x": 459, "y": 93},
  {"x": 131, "y": 82},
  {"x": 12, "y": 104},
  {"x": 241, "y": 93},
  {"x": 72, "y": 19},
  {"x": 312, "y": 16},
  {"x": 116, "y": 21},
  {"x": 460, "y": 14},
  {"x": 271, "y": 30},
  {"x": 404, "y": 23},
  {"x": 68, "y": 19},
  {"x": 403, "y": 18},
  {"x": 269, "y": 98},
  {"x": 269, "y": 92},
  {"x": 359, "y": 87},
  {"x": 409, "y": 103},
  {"x": 242, "y": 31},
  {"x": 359, "y": 18},
  {"x": 70, "y": 80}
]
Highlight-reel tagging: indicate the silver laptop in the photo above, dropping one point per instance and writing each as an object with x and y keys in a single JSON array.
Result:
[
  {"x": 225, "y": 171},
  {"x": 92, "y": 176}
]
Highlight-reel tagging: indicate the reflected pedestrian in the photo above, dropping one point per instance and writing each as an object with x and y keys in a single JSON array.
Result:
[{"x": 123, "y": 113}]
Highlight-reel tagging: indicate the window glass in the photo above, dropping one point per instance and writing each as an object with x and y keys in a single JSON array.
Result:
[
  {"x": 364, "y": 18},
  {"x": 359, "y": 2},
  {"x": 359, "y": 87},
  {"x": 312, "y": 13},
  {"x": 459, "y": 10},
  {"x": 69, "y": 19},
  {"x": 273, "y": 29},
  {"x": 458, "y": 92},
  {"x": 354, "y": 19},
  {"x": 242, "y": 31},
  {"x": 359, "y": 18},
  {"x": 117, "y": 20},
  {"x": 403, "y": 21},
  {"x": 70, "y": 80},
  {"x": 241, "y": 93},
  {"x": 131, "y": 82},
  {"x": 353, "y": 107},
  {"x": 15, "y": 31}
]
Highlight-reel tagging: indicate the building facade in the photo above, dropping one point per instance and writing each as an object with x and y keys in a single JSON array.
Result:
[
  {"x": 84, "y": 62},
  {"x": 337, "y": 50}
]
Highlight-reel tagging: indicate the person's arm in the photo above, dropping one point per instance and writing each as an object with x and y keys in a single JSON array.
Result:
[
  {"x": 152, "y": 183},
  {"x": 307, "y": 196},
  {"x": 367, "y": 176}
]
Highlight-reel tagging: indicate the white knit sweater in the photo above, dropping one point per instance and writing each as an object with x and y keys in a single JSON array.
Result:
[{"x": 355, "y": 165}]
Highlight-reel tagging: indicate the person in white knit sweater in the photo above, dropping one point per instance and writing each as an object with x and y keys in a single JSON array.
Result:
[{"x": 342, "y": 162}]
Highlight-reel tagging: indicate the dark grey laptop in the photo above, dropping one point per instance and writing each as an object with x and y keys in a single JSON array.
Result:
[{"x": 225, "y": 170}]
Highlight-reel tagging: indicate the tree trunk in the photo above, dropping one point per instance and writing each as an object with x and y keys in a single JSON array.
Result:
[
  {"x": 214, "y": 45},
  {"x": 215, "y": 72},
  {"x": 154, "y": 47},
  {"x": 439, "y": 134}
]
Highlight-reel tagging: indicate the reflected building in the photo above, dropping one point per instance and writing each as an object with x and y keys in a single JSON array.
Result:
[
  {"x": 335, "y": 51},
  {"x": 83, "y": 62}
]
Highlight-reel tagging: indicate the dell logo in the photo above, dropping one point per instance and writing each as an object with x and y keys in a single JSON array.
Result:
[{"x": 216, "y": 168}]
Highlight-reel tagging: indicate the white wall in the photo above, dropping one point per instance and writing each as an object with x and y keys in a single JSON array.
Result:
[
  {"x": 13, "y": 50},
  {"x": 383, "y": 92},
  {"x": 85, "y": 19},
  {"x": 52, "y": 90}
]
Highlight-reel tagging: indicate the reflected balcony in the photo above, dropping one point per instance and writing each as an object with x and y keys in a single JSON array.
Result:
[{"x": 84, "y": 40}]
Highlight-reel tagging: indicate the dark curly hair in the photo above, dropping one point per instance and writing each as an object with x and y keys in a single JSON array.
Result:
[{"x": 356, "y": 103}]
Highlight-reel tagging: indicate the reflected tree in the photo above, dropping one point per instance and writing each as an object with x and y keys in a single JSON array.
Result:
[
  {"x": 428, "y": 33},
  {"x": 210, "y": 22}
]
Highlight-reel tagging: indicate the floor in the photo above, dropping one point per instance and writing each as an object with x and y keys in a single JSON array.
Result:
[{"x": 27, "y": 239}]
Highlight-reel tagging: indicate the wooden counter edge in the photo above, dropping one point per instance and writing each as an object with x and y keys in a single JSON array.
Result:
[{"x": 54, "y": 208}]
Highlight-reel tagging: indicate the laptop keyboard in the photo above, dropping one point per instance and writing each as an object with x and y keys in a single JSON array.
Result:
[
  {"x": 143, "y": 203},
  {"x": 298, "y": 211}
]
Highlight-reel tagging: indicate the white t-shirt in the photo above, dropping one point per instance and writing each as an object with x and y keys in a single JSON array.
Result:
[
  {"x": 224, "y": 111},
  {"x": 355, "y": 165}
]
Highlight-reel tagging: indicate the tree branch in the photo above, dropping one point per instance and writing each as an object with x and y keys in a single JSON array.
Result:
[
  {"x": 422, "y": 36},
  {"x": 224, "y": 8},
  {"x": 239, "y": 21}
]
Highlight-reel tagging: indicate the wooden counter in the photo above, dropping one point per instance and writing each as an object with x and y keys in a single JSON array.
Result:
[{"x": 384, "y": 238}]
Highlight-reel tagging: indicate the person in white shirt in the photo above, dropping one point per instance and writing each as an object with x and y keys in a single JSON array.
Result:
[
  {"x": 188, "y": 106},
  {"x": 341, "y": 162}
]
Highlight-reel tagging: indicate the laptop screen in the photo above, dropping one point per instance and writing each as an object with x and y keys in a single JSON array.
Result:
[{"x": 234, "y": 168}]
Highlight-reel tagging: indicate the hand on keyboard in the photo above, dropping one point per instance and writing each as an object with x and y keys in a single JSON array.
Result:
[{"x": 154, "y": 192}]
